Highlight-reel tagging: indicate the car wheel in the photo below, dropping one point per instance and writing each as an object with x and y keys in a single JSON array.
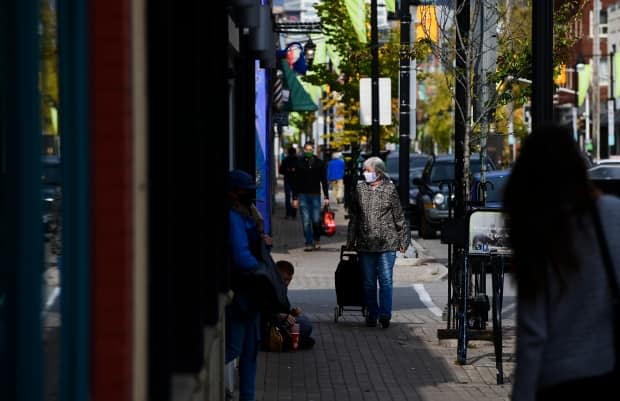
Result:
[{"x": 426, "y": 230}]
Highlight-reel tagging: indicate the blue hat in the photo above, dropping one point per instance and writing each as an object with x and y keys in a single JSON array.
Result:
[{"x": 239, "y": 179}]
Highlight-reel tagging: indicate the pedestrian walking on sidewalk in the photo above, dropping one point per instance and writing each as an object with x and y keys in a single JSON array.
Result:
[
  {"x": 377, "y": 230},
  {"x": 242, "y": 316},
  {"x": 566, "y": 285},
  {"x": 310, "y": 178},
  {"x": 335, "y": 176},
  {"x": 287, "y": 169}
]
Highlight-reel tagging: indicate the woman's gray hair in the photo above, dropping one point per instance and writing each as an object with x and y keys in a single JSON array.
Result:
[{"x": 376, "y": 164}]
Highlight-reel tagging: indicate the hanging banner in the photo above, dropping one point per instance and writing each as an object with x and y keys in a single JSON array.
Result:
[
  {"x": 357, "y": 12},
  {"x": 385, "y": 101},
  {"x": 262, "y": 149},
  {"x": 584, "y": 75}
]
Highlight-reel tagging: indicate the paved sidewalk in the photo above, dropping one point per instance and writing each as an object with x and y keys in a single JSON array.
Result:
[{"x": 354, "y": 362}]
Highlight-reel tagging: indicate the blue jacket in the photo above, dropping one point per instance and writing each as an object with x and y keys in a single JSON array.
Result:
[
  {"x": 244, "y": 240},
  {"x": 335, "y": 170}
]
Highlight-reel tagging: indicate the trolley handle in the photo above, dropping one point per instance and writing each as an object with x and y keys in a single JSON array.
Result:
[{"x": 346, "y": 251}]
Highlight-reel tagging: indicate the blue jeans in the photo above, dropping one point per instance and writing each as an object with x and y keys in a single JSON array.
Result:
[
  {"x": 310, "y": 206},
  {"x": 242, "y": 337},
  {"x": 378, "y": 265},
  {"x": 305, "y": 326},
  {"x": 288, "y": 196}
]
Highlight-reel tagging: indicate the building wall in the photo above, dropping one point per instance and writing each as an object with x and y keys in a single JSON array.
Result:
[{"x": 111, "y": 200}]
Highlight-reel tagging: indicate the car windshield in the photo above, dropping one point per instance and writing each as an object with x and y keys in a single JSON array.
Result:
[
  {"x": 444, "y": 170},
  {"x": 416, "y": 164}
]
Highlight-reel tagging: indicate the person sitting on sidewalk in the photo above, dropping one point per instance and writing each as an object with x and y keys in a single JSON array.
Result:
[{"x": 284, "y": 321}]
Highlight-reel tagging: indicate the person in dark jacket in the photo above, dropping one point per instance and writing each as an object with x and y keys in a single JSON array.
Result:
[
  {"x": 242, "y": 317},
  {"x": 310, "y": 178},
  {"x": 287, "y": 169}
]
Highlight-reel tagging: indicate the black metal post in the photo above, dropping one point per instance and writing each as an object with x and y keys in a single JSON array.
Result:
[
  {"x": 611, "y": 72},
  {"x": 542, "y": 45},
  {"x": 612, "y": 96},
  {"x": 374, "y": 77},
  {"x": 325, "y": 127},
  {"x": 405, "y": 107},
  {"x": 460, "y": 129}
]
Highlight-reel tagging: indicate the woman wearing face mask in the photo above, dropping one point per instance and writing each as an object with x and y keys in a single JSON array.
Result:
[
  {"x": 242, "y": 317},
  {"x": 377, "y": 229}
]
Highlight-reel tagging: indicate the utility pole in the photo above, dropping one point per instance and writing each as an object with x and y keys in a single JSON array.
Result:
[
  {"x": 374, "y": 77},
  {"x": 413, "y": 76},
  {"x": 404, "y": 140},
  {"x": 542, "y": 47},
  {"x": 596, "y": 90}
]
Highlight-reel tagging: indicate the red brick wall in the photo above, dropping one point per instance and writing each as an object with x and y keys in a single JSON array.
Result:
[{"x": 110, "y": 107}]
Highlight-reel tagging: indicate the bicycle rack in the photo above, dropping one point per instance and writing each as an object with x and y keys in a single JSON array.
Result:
[{"x": 468, "y": 302}]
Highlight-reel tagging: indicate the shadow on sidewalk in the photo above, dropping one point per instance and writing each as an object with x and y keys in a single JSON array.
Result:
[
  {"x": 351, "y": 361},
  {"x": 288, "y": 233},
  {"x": 354, "y": 362}
]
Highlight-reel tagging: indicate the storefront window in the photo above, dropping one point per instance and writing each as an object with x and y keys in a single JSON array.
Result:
[{"x": 51, "y": 195}]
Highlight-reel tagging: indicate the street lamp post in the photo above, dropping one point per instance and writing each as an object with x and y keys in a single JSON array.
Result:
[
  {"x": 374, "y": 76},
  {"x": 542, "y": 46},
  {"x": 404, "y": 108}
]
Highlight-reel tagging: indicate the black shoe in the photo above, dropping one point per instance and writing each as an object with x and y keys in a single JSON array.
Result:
[
  {"x": 370, "y": 322},
  {"x": 385, "y": 322}
]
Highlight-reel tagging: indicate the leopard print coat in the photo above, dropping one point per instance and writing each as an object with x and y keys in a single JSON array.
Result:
[{"x": 376, "y": 219}]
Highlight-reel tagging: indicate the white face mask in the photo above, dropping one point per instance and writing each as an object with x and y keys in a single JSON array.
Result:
[{"x": 370, "y": 176}]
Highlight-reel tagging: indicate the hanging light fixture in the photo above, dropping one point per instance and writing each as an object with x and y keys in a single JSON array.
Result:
[{"x": 309, "y": 50}]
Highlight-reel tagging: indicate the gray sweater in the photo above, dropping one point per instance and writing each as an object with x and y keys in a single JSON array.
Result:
[{"x": 570, "y": 335}]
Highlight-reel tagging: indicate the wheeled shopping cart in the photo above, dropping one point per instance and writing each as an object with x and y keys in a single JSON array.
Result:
[{"x": 349, "y": 288}]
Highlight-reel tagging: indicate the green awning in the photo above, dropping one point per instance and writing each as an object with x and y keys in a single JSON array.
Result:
[{"x": 299, "y": 99}]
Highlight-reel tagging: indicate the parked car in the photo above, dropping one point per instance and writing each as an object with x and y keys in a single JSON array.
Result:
[
  {"x": 496, "y": 180},
  {"x": 606, "y": 177},
  {"x": 417, "y": 161},
  {"x": 432, "y": 208}
]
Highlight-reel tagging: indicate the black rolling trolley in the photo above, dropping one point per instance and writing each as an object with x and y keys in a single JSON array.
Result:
[{"x": 349, "y": 286}]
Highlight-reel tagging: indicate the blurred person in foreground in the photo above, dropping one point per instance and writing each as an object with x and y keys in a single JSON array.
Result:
[
  {"x": 565, "y": 324},
  {"x": 377, "y": 229},
  {"x": 242, "y": 315}
]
